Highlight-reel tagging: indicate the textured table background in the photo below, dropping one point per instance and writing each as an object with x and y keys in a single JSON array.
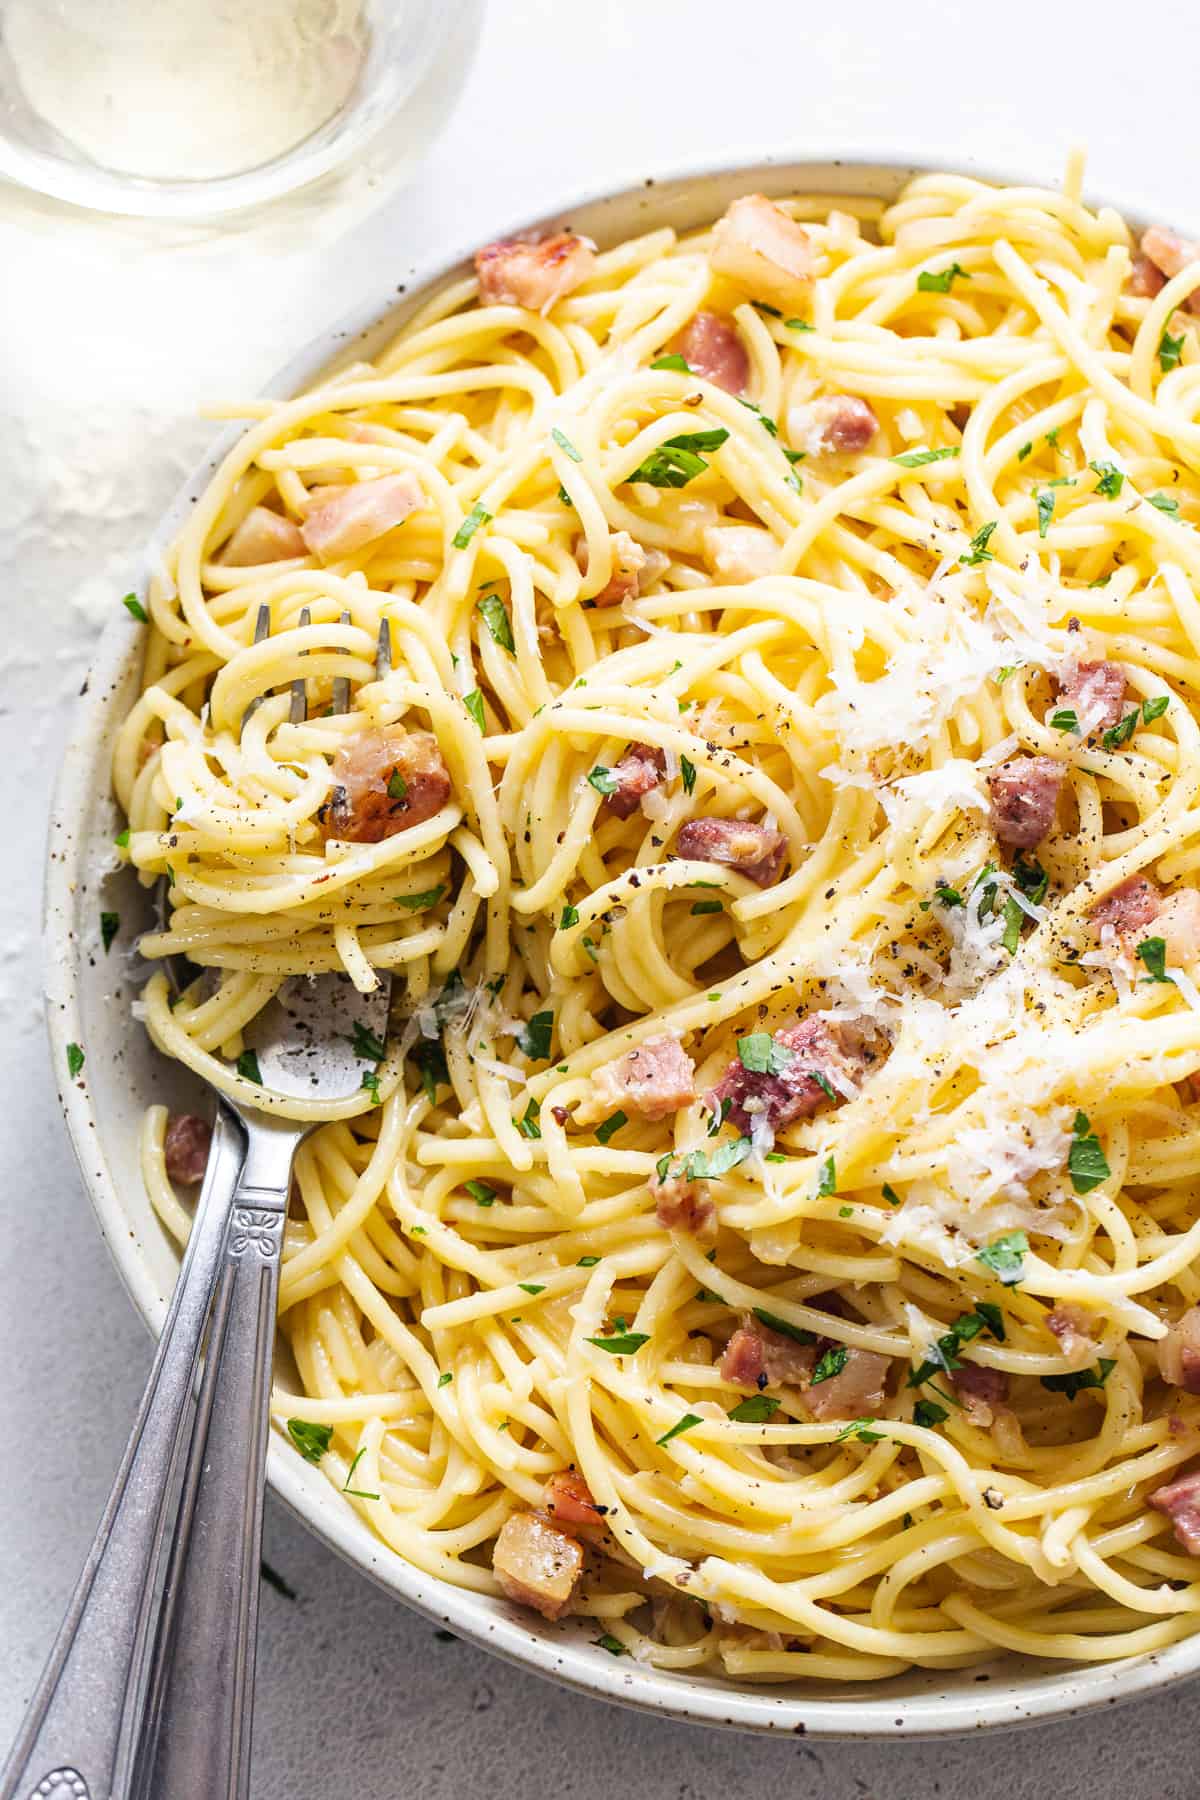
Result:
[{"x": 104, "y": 359}]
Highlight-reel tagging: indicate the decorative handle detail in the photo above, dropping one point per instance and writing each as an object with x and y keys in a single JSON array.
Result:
[{"x": 86, "y": 1710}]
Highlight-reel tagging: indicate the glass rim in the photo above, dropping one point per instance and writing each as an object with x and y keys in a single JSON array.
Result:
[{"x": 94, "y": 189}]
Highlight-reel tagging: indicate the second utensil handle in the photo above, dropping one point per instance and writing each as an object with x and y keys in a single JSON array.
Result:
[{"x": 200, "y": 1705}]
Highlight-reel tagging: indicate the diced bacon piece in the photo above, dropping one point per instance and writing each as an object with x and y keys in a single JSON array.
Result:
[
  {"x": 263, "y": 537},
  {"x": 682, "y": 1205},
  {"x": 712, "y": 348},
  {"x": 1146, "y": 279},
  {"x": 756, "y": 851},
  {"x": 536, "y": 1564},
  {"x": 1024, "y": 793},
  {"x": 1075, "y": 1329},
  {"x": 760, "y": 248},
  {"x": 758, "y": 1357},
  {"x": 356, "y": 515},
  {"x": 837, "y": 424},
  {"x": 855, "y": 1392},
  {"x": 629, "y": 562},
  {"x": 639, "y": 772},
  {"x": 383, "y": 782},
  {"x": 982, "y": 1392},
  {"x": 834, "y": 1054},
  {"x": 1095, "y": 692},
  {"x": 1180, "y": 1500},
  {"x": 740, "y": 552},
  {"x": 1178, "y": 924},
  {"x": 1129, "y": 907},
  {"x": 1179, "y": 1352},
  {"x": 533, "y": 272},
  {"x": 655, "y": 1079},
  {"x": 185, "y": 1147},
  {"x": 568, "y": 1499},
  {"x": 1172, "y": 254}
]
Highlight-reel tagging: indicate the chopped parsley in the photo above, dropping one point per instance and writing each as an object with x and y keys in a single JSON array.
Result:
[
  {"x": 1024, "y": 451},
  {"x": 312, "y": 1441},
  {"x": 1045, "y": 509},
  {"x": 397, "y": 787},
  {"x": 762, "y": 1054},
  {"x": 1170, "y": 350},
  {"x": 928, "y": 1413},
  {"x": 701, "y": 1165},
  {"x": 371, "y": 1082},
  {"x": 1005, "y": 1256},
  {"x": 474, "y": 705},
  {"x": 978, "y": 551},
  {"x": 940, "y": 281},
  {"x": 366, "y": 1044},
  {"x": 357, "y": 1492},
  {"x": 494, "y": 614},
  {"x": 830, "y": 1364},
  {"x": 826, "y": 1178},
  {"x": 672, "y": 363},
  {"x": 774, "y": 1323},
  {"x": 478, "y": 515},
  {"x": 1013, "y": 920},
  {"x": 1121, "y": 732},
  {"x": 1153, "y": 952},
  {"x": 916, "y": 459},
  {"x": 699, "y": 907},
  {"x": 417, "y": 902},
  {"x": 110, "y": 924},
  {"x": 75, "y": 1059},
  {"x": 799, "y": 325},
  {"x": 1065, "y": 719},
  {"x": 942, "y": 1357},
  {"x": 482, "y": 1193},
  {"x": 687, "y": 772},
  {"x": 1166, "y": 503},
  {"x": 122, "y": 839},
  {"x": 680, "y": 1426},
  {"x": 564, "y": 443},
  {"x": 1111, "y": 481},
  {"x": 1078, "y": 1379},
  {"x": 890, "y": 1195},
  {"x": 603, "y": 780},
  {"x": 754, "y": 1411},
  {"x": 134, "y": 607},
  {"x": 614, "y": 1646},
  {"x": 1087, "y": 1164},
  {"x": 532, "y": 1287},
  {"x": 247, "y": 1067},
  {"x": 534, "y": 1037},
  {"x": 623, "y": 1343},
  {"x": 1030, "y": 877},
  {"x": 570, "y": 916},
  {"x": 609, "y": 1127},
  {"x": 445, "y": 1378},
  {"x": 677, "y": 461},
  {"x": 587, "y": 1262},
  {"x": 861, "y": 1429},
  {"x": 527, "y": 1124},
  {"x": 1155, "y": 708}
]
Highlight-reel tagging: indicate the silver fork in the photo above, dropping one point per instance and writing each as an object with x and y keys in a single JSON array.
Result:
[{"x": 147, "y": 1694}]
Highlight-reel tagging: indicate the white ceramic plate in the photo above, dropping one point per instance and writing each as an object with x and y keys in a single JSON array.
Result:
[{"x": 88, "y": 1002}]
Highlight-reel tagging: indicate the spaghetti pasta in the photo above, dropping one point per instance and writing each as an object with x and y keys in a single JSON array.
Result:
[{"x": 778, "y": 1194}]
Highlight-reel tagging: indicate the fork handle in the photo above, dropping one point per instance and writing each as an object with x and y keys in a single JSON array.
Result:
[
  {"x": 78, "y": 1737},
  {"x": 200, "y": 1704}
]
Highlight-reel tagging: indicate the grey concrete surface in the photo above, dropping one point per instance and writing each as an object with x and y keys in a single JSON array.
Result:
[{"x": 104, "y": 358}]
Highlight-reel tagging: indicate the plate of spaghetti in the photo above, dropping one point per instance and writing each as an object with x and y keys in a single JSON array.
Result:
[{"x": 732, "y": 654}]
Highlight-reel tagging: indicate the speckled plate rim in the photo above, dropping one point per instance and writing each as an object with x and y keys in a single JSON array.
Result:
[{"x": 924, "y": 1705}]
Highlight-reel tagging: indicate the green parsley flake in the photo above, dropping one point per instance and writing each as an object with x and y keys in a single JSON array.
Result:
[
  {"x": 587, "y": 1262},
  {"x": 863, "y": 1430},
  {"x": 762, "y": 1054},
  {"x": 677, "y": 461},
  {"x": 978, "y": 551},
  {"x": 122, "y": 839},
  {"x": 672, "y": 363},
  {"x": 603, "y": 780},
  {"x": 495, "y": 616},
  {"x": 1153, "y": 952},
  {"x": 312, "y": 1441},
  {"x": 700, "y": 907},
  {"x": 570, "y": 916},
  {"x": 366, "y": 1043},
  {"x": 357, "y": 1492},
  {"x": 916, "y": 459},
  {"x": 687, "y": 771},
  {"x": 1079, "y": 1379},
  {"x": 1111, "y": 481},
  {"x": 133, "y": 605},
  {"x": 110, "y": 924},
  {"x": 624, "y": 1343},
  {"x": 370, "y": 1081},
  {"x": 397, "y": 787},
  {"x": 247, "y": 1067},
  {"x": 685, "y": 1424},
  {"x": 534, "y": 1037},
  {"x": 774, "y": 1323},
  {"x": 754, "y": 1411},
  {"x": 1155, "y": 708},
  {"x": 890, "y": 1195},
  {"x": 1005, "y": 1256},
  {"x": 940, "y": 281},
  {"x": 478, "y": 515},
  {"x": 527, "y": 1124},
  {"x": 418, "y": 902},
  {"x": 928, "y": 1414},
  {"x": 1045, "y": 510},
  {"x": 609, "y": 1127},
  {"x": 614, "y": 1646},
  {"x": 532, "y": 1287},
  {"x": 564, "y": 443},
  {"x": 1170, "y": 350},
  {"x": 827, "y": 1178},
  {"x": 482, "y": 1193},
  {"x": 1166, "y": 503},
  {"x": 474, "y": 705},
  {"x": 445, "y": 1378},
  {"x": 75, "y": 1059},
  {"x": 830, "y": 1364}
]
